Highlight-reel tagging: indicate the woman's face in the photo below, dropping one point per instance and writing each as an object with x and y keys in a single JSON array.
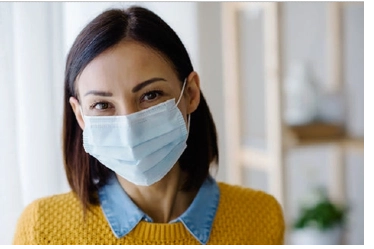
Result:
[{"x": 129, "y": 78}]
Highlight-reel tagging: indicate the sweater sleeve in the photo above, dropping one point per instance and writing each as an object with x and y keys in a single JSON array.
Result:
[
  {"x": 27, "y": 227},
  {"x": 278, "y": 219}
]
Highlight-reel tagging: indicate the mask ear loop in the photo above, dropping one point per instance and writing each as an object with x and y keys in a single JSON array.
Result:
[
  {"x": 80, "y": 108},
  {"x": 188, "y": 124},
  {"x": 179, "y": 99},
  {"x": 180, "y": 96}
]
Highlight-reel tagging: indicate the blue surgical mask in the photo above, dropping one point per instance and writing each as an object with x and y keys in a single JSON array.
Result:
[{"x": 141, "y": 147}]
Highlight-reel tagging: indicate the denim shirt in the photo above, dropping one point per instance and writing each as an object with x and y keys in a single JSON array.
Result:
[{"x": 123, "y": 215}]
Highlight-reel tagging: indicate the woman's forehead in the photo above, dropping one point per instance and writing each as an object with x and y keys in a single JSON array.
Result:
[{"x": 129, "y": 63}]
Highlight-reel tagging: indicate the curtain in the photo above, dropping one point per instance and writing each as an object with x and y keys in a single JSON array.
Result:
[{"x": 31, "y": 111}]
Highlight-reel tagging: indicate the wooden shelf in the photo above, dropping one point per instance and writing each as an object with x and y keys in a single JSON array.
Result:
[
  {"x": 317, "y": 130},
  {"x": 320, "y": 133}
]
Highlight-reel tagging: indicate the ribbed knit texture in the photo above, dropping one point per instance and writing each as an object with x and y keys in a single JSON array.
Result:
[{"x": 244, "y": 216}]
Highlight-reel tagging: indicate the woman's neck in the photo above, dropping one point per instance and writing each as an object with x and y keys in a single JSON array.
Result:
[{"x": 162, "y": 201}]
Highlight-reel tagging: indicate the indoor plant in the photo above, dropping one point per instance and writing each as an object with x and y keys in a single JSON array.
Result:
[{"x": 319, "y": 222}]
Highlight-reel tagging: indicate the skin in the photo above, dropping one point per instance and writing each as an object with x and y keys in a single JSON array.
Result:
[{"x": 128, "y": 78}]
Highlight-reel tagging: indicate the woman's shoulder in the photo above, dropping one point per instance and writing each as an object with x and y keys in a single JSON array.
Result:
[
  {"x": 41, "y": 218},
  {"x": 52, "y": 203},
  {"x": 241, "y": 192},
  {"x": 251, "y": 216},
  {"x": 240, "y": 197},
  {"x": 44, "y": 212},
  {"x": 49, "y": 206},
  {"x": 255, "y": 216}
]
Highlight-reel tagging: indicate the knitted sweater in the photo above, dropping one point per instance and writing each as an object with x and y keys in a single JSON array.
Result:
[{"x": 244, "y": 216}]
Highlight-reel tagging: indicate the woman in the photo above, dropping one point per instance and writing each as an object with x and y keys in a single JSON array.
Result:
[{"x": 138, "y": 141}]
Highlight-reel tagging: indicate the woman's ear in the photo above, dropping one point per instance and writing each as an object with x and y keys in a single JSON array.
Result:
[
  {"x": 77, "y": 111},
  {"x": 192, "y": 92}
]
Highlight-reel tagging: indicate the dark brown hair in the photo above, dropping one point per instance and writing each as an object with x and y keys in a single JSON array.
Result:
[{"x": 85, "y": 174}]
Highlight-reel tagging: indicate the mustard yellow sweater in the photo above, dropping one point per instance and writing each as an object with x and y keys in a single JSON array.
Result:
[{"x": 244, "y": 216}]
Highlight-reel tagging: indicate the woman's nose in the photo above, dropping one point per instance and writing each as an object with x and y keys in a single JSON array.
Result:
[{"x": 127, "y": 108}]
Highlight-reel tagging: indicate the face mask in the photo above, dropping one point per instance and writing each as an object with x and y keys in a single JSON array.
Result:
[{"x": 141, "y": 147}]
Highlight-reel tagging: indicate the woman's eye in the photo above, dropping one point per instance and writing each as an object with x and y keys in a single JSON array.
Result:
[
  {"x": 149, "y": 96},
  {"x": 101, "y": 106}
]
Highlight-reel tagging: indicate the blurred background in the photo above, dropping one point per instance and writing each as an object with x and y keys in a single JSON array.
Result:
[{"x": 284, "y": 81}]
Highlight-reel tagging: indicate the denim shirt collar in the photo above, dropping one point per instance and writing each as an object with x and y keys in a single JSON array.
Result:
[{"x": 123, "y": 215}]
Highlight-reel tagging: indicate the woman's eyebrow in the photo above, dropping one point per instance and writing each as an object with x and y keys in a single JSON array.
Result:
[
  {"x": 135, "y": 89},
  {"x": 99, "y": 93},
  {"x": 145, "y": 83}
]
